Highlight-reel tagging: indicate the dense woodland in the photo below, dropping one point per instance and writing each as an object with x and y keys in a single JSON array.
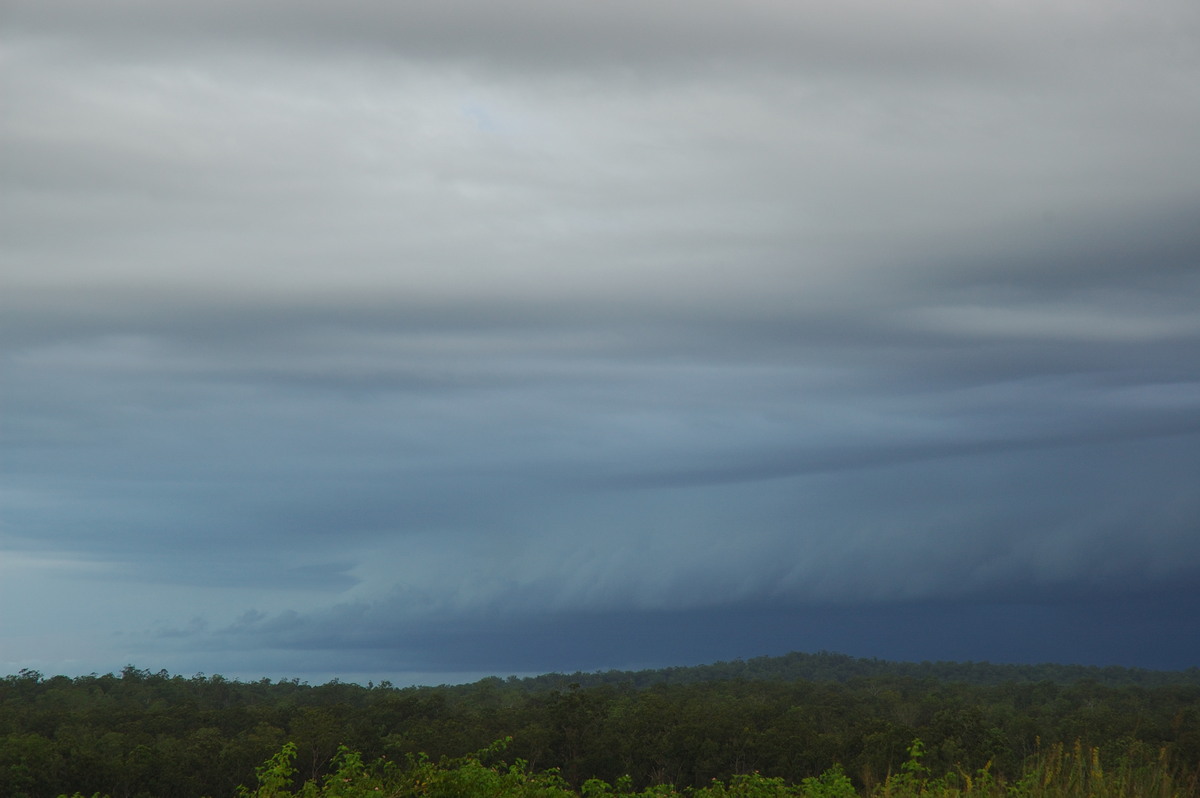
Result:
[{"x": 771, "y": 721}]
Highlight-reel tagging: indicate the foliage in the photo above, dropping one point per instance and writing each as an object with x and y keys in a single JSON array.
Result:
[
  {"x": 1061, "y": 772},
  {"x": 153, "y": 735},
  {"x": 274, "y": 777},
  {"x": 833, "y": 783}
]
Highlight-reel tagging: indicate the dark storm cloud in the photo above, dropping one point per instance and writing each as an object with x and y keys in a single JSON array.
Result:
[
  {"x": 1091, "y": 630},
  {"x": 457, "y": 337}
]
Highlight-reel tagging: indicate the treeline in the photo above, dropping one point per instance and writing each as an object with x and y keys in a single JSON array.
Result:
[
  {"x": 825, "y": 666},
  {"x": 139, "y": 733}
]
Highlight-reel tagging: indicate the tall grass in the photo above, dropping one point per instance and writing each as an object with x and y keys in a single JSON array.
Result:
[
  {"x": 1059, "y": 771},
  {"x": 1065, "y": 772}
]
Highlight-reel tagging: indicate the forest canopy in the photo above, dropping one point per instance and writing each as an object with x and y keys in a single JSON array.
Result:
[{"x": 143, "y": 733}]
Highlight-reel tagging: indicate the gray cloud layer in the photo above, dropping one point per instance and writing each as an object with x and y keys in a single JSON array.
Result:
[{"x": 387, "y": 333}]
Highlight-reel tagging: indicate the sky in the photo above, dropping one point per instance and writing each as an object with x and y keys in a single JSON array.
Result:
[{"x": 426, "y": 341}]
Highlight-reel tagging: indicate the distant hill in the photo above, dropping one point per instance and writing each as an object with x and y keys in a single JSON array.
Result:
[{"x": 825, "y": 666}]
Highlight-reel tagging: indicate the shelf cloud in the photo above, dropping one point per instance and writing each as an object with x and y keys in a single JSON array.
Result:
[{"x": 452, "y": 338}]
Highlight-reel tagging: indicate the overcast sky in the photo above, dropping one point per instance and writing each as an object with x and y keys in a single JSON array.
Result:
[{"x": 431, "y": 340}]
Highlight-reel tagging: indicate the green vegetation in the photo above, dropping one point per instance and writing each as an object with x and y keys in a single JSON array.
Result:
[
  {"x": 702, "y": 732},
  {"x": 1061, "y": 773}
]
